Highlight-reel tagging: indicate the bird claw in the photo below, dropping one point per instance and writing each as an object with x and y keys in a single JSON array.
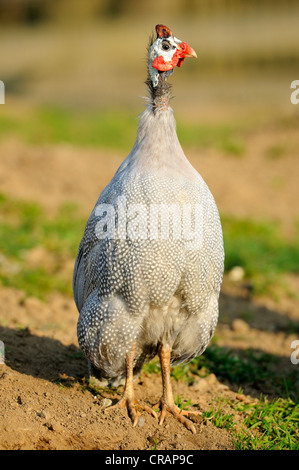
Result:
[
  {"x": 178, "y": 414},
  {"x": 131, "y": 404}
]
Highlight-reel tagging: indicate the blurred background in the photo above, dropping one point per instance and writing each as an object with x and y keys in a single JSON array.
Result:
[
  {"x": 74, "y": 77},
  {"x": 74, "y": 73},
  {"x": 92, "y": 54}
]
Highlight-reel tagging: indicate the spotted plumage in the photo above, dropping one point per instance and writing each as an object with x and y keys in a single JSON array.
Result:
[{"x": 140, "y": 282}]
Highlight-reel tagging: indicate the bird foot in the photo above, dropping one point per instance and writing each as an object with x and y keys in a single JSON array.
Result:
[
  {"x": 131, "y": 404},
  {"x": 177, "y": 413}
]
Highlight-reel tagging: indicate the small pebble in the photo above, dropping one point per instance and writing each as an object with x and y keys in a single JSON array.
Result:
[
  {"x": 106, "y": 402},
  {"x": 200, "y": 385},
  {"x": 141, "y": 422},
  {"x": 242, "y": 397},
  {"x": 236, "y": 273},
  {"x": 56, "y": 427},
  {"x": 44, "y": 414},
  {"x": 240, "y": 326}
]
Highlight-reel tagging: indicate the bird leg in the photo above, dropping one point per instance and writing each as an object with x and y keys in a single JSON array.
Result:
[
  {"x": 128, "y": 399},
  {"x": 166, "y": 402}
]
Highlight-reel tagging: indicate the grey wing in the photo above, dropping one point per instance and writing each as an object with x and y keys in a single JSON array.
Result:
[{"x": 79, "y": 279}]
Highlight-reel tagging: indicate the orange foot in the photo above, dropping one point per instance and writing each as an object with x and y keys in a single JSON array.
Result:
[
  {"x": 177, "y": 413},
  {"x": 131, "y": 403}
]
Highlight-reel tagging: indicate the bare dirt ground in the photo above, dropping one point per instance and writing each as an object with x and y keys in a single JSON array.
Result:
[{"x": 45, "y": 400}]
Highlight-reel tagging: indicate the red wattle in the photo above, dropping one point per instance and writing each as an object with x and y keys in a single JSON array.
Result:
[{"x": 163, "y": 66}]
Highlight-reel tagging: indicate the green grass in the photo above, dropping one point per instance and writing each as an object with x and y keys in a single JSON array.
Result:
[
  {"x": 182, "y": 403},
  {"x": 219, "y": 418},
  {"x": 23, "y": 227},
  {"x": 264, "y": 425},
  {"x": 224, "y": 137},
  {"x": 37, "y": 282},
  {"x": 113, "y": 129},
  {"x": 248, "y": 367},
  {"x": 269, "y": 426},
  {"x": 260, "y": 249}
]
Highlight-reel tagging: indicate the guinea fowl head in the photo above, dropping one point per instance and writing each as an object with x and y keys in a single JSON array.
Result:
[{"x": 166, "y": 53}]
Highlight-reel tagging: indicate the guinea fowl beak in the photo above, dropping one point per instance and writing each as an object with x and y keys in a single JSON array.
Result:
[{"x": 186, "y": 50}]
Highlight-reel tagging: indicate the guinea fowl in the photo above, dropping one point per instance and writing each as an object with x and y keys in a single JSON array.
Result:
[{"x": 149, "y": 268}]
